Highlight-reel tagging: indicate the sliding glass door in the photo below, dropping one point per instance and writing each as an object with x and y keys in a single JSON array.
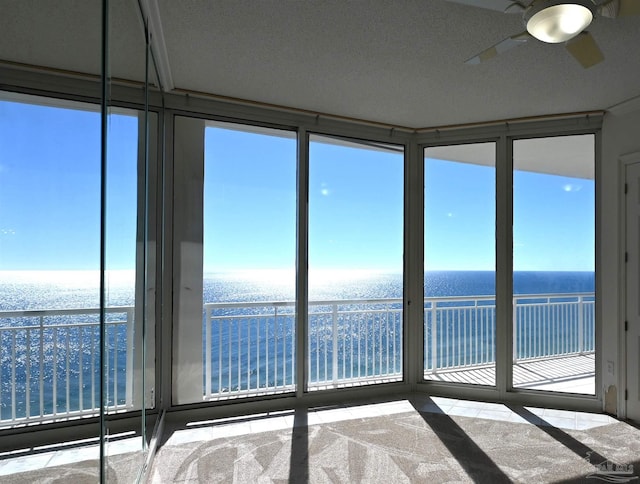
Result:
[
  {"x": 356, "y": 222},
  {"x": 459, "y": 264},
  {"x": 236, "y": 272},
  {"x": 249, "y": 227},
  {"x": 554, "y": 264}
]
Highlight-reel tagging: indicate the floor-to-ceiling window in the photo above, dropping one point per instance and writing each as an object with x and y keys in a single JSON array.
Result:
[
  {"x": 249, "y": 260},
  {"x": 550, "y": 294},
  {"x": 554, "y": 264},
  {"x": 459, "y": 263},
  {"x": 244, "y": 257},
  {"x": 354, "y": 318},
  {"x": 356, "y": 197}
]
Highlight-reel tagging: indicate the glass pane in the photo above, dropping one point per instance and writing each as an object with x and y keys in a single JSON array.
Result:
[
  {"x": 125, "y": 295},
  {"x": 355, "y": 262},
  {"x": 249, "y": 261},
  {"x": 554, "y": 264},
  {"x": 459, "y": 263},
  {"x": 122, "y": 175},
  {"x": 149, "y": 229},
  {"x": 49, "y": 266},
  {"x": 125, "y": 251},
  {"x": 49, "y": 254}
]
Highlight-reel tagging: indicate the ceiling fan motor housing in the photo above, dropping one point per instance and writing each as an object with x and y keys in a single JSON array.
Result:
[{"x": 555, "y": 21}]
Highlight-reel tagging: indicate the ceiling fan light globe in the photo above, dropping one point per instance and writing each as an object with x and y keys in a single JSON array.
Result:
[{"x": 560, "y": 22}]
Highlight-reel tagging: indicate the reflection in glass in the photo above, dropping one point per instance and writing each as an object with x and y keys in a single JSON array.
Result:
[
  {"x": 49, "y": 261},
  {"x": 128, "y": 282},
  {"x": 49, "y": 254},
  {"x": 123, "y": 300},
  {"x": 459, "y": 253}
]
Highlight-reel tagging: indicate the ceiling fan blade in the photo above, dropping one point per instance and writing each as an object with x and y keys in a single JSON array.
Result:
[
  {"x": 585, "y": 50},
  {"x": 619, "y": 8},
  {"x": 628, "y": 8},
  {"x": 504, "y": 6},
  {"x": 499, "y": 48}
]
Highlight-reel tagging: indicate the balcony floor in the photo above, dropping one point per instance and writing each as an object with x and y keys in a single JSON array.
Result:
[{"x": 572, "y": 374}]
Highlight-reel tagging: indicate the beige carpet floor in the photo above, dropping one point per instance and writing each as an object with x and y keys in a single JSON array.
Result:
[
  {"x": 411, "y": 446},
  {"x": 415, "y": 440},
  {"x": 122, "y": 468}
]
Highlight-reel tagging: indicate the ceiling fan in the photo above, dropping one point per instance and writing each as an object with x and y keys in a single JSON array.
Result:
[{"x": 555, "y": 21}]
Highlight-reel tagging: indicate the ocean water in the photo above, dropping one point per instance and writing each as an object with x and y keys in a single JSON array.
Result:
[
  {"x": 21, "y": 291},
  {"x": 57, "y": 354}
]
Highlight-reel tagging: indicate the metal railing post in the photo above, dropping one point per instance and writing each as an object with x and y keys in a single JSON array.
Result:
[
  {"x": 515, "y": 330},
  {"x": 207, "y": 353},
  {"x": 434, "y": 337},
  {"x": 55, "y": 371},
  {"x": 13, "y": 376},
  {"x": 130, "y": 348},
  {"x": 580, "y": 324},
  {"x": 41, "y": 365},
  {"x": 28, "y": 375},
  {"x": 334, "y": 331},
  {"x": 284, "y": 346}
]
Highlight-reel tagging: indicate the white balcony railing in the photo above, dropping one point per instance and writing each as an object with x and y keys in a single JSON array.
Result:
[
  {"x": 460, "y": 332},
  {"x": 553, "y": 325},
  {"x": 50, "y": 364},
  {"x": 249, "y": 348},
  {"x": 50, "y": 359}
]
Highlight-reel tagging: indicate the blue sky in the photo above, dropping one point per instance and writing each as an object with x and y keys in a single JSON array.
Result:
[
  {"x": 249, "y": 201},
  {"x": 554, "y": 223},
  {"x": 355, "y": 208},
  {"x": 355, "y": 204},
  {"x": 50, "y": 189},
  {"x": 459, "y": 216},
  {"x": 49, "y": 203},
  {"x": 553, "y": 227}
]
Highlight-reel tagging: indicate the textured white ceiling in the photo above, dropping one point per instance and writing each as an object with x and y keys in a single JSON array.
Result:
[
  {"x": 399, "y": 62},
  {"x": 67, "y": 34}
]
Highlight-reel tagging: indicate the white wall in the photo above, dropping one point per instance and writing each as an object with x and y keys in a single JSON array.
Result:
[
  {"x": 188, "y": 178},
  {"x": 620, "y": 136}
]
